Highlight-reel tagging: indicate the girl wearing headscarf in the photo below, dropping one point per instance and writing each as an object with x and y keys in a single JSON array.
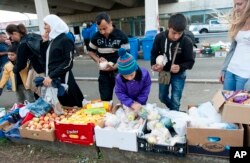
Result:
[{"x": 59, "y": 59}]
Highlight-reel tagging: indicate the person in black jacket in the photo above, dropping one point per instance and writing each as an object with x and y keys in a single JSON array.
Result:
[
  {"x": 25, "y": 54},
  {"x": 19, "y": 34},
  {"x": 59, "y": 59},
  {"x": 103, "y": 47},
  {"x": 165, "y": 44}
]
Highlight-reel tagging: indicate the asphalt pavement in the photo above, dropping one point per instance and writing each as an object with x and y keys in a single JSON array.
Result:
[{"x": 202, "y": 82}]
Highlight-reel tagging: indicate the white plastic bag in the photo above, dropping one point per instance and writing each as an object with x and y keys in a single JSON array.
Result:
[{"x": 51, "y": 98}]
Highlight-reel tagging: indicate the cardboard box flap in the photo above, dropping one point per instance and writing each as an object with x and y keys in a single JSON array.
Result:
[{"x": 218, "y": 100}]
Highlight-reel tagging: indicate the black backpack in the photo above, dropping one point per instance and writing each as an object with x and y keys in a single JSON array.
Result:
[
  {"x": 190, "y": 35},
  {"x": 33, "y": 41}
]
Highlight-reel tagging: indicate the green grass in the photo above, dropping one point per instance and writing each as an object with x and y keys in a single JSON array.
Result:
[{"x": 4, "y": 141}]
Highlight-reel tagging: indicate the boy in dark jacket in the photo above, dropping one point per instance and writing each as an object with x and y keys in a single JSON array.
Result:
[
  {"x": 165, "y": 44},
  {"x": 132, "y": 84}
]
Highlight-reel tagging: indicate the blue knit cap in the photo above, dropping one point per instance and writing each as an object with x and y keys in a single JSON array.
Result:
[{"x": 126, "y": 62}]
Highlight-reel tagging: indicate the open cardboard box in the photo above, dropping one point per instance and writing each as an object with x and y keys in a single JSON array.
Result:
[
  {"x": 214, "y": 142},
  {"x": 48, "y": 135},
  {"x": 231, "y": 112},
  {"x": 218, "y": 101},
  {"x": 6, "y": 126}
]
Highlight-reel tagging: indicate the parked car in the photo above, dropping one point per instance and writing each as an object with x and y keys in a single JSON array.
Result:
[{"x": 214, "y": 25}]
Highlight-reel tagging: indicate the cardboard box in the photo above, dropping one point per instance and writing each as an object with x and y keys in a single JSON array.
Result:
[
  {"x": 231, "y": 112},
  {"x": 213, "y": 142},
  {"x": 48, "y": 135},
  {"x": 5, "y": 125},
  {"x": 220, "y": 53},
  {"x": 202, "y": 140},
  {"x": 236, "y": 113},
  {"x": 218, "y": 101},
  {"x": 112, "y": 138},
  {"x": 74, "y": 133}
]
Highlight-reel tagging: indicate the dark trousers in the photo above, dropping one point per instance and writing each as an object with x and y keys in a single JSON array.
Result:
[
  {"x": 86, "y": 42},
  {"x": 106, "y": 85}
]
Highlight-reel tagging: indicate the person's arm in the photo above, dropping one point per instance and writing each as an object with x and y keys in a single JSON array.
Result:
[
  {"x": 227, "y": 60},
  {"x": 94, "y": 56},
  {"x": 22, "y": 58},
  {"x": 3, "y": 53},
  {"x": 120, "y": 92},
  {"x": 5, "y": 76},
  {"x": 92, "y": 52},
  {"x": 188, "y": 56},
  {"x": 155, "y": 52},
  {"x": 143, "y": 96}
]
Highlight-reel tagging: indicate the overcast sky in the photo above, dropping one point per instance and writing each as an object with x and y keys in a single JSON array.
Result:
[{"x": 7, "y": 16}]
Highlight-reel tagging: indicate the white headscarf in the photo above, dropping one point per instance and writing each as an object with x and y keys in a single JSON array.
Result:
[{"x": 57, "y": 26}]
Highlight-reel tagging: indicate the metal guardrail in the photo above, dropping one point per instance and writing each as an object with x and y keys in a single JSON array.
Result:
[{"x": 196, "y": 81}]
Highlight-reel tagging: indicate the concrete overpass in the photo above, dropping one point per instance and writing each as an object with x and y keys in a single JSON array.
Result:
[
  {"x": 134, "y": 17},
  {"x": 76, "y": 11},
  {"x": 72, "y": 7}
]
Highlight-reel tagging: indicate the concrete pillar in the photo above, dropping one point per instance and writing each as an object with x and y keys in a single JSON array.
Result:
[
  {"x": 151, "y": 15},
  {"x": 42, "y": 10}
]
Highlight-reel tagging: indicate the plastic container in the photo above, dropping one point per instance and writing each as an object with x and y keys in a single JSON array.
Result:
[
  {"x": 151, "y": 33},
  {"x": 147, "y": 44},
  {"x": 215, "y": 48},
  {"x": 134, "y": 43},
  {"x": 178, "y": 149},
  {"x": 75, "y": 133}
]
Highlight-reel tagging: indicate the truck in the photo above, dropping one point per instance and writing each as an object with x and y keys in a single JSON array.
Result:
[{"x": 214, "y": 25}]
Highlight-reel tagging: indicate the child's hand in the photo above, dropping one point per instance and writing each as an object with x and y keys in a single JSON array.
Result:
[
  {"x": 136, "y": 106},
  {"x": 1, "y": 91}
]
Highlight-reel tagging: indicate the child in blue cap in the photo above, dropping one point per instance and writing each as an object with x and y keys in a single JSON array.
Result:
[{"x": 132, "y": 84}]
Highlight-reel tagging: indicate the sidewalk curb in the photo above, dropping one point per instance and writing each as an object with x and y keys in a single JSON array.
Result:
[{"x": 195, "y": 81}]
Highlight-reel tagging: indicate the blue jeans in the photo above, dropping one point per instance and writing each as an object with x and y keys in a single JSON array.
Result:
[
  {"x": 177, "y": 83},
  {"x": 233, "y": 82}
]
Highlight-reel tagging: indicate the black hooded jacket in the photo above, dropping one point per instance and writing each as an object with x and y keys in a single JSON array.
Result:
[{"x": 184, "y": 58}]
